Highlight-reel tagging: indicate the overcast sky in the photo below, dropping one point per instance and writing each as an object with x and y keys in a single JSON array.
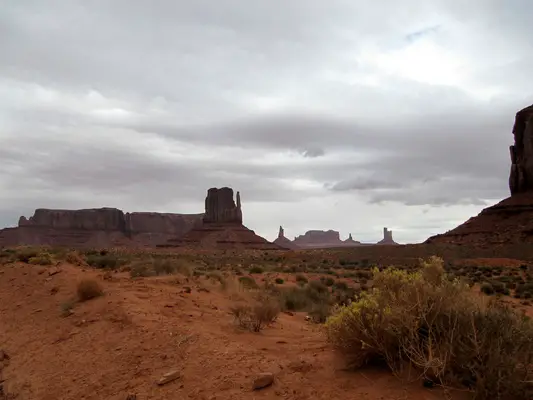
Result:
[{"x": 340, "y": 114}]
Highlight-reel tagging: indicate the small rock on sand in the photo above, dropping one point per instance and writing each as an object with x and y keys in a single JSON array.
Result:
[
  {"x": 263, "y": 380},
  {"x": 168, "y": 377}
]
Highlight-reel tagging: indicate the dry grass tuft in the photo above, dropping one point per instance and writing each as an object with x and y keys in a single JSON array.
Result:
[
  {"x": 440, "y": 329},
  {"x": 254, "y": 317},
  {"x": 89, "y": 289}
]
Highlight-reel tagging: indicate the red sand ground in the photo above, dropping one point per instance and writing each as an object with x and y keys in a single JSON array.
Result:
[{"x": 121, "y": 343}]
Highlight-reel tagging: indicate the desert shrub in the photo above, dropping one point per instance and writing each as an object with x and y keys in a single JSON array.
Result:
[
  {"x": 89, "y": 289},
  {"x": 41, "y": 259},
  {"x": 141, "y": 269},
  {"x": 163, "y": 267},
  {"x": 304, "y": 298},
  {"x": 320, "y": 312},
  {"x": 105, "y": 260},
  {"x": 255, "y": 317},
  {"x": 25, "y": 254},
  {"x": 256, "y": 269},
  {"x": 301, "y": 279},
  {"x": 487, "y": 288},
  {"x": 279, "y": 281},
  {"x": 340, "y": 285},
  {"x": 248, "y": 282},
  {"x": 317, "y": 286},
  {"x": 217, "y": 277},
  {"x": 442, "y": 330},
  {"x": 329, "y": 281}
]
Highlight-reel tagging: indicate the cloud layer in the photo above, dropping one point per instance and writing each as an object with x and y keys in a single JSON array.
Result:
[{"x": 324, "y": 115}]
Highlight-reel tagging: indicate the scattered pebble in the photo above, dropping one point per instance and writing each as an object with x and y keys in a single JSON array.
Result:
[
  {"x": 53, "y": 271},
  {"x": 168, "y": 377},
  {"x": 263, "y": 380}
]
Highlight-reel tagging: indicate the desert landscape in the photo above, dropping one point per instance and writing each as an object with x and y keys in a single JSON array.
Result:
[{"x": 102, "y": 304}]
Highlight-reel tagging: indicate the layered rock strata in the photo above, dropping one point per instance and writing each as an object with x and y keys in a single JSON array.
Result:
[
  {"x": 511, "y": 220},
  {"x": 222, "y": 226}
]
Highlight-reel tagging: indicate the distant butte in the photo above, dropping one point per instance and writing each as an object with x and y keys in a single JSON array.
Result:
[
  {"x": 511, "y": 220},
  {"x": 387, "y": 238},
  {"x": 283, "y": 241},
  {"x": 97, "y": 227},
  {"x": 222, "y": 226}
]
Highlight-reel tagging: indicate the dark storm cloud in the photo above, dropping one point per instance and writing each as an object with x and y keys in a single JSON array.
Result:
[{"x": 144, "y": 104}]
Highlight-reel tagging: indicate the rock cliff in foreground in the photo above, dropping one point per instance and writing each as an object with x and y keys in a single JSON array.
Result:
[
  {"x": 97, "y": 227},
  {"x": 222, "y": 226},
  {"x": 511, "y": 220}
]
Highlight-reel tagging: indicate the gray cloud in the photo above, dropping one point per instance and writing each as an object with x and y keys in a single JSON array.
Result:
[{"x": 145, "y": 106}]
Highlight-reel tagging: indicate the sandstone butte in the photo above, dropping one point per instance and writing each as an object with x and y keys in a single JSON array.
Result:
[
  {"x": 511, "y": 220},
  {"x": 316, "y": 239},
  {"x": 220, "y": 226}
]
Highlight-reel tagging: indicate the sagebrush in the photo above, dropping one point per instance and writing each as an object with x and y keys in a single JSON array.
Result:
[{"x": 439, "y": 328}]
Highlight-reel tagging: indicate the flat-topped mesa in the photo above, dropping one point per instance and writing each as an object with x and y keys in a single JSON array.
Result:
[
  {"x": 220, "y": 208},
  {"x": 521, "y": 175},
  {"x": 104, "y": 219}
]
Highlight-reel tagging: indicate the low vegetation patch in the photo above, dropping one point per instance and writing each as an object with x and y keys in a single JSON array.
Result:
[
  {"x": 254, "y": 317},
  {"x": 440, "y": 329},
  {"x": 89, "y": 289}
]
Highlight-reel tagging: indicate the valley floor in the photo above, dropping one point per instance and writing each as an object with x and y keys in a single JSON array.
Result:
[{"x": 120, "y": 344}]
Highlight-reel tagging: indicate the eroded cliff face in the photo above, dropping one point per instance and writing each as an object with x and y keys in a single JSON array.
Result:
[
  {"x": 511, "y": 220},
  {"x": 221, "y": 208},
  {"x": 100, "y": 227},
  {"x": 104, "y": 219},
  {"x": 521, "y": 176},
  {"x": 222, "y": 226}
]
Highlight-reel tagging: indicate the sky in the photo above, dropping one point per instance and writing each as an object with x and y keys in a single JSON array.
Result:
[{"x": 349, "y": 115}]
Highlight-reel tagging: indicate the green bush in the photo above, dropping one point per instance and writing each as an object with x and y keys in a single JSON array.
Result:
[
  {"x": 279, "y": 281},
  {"x": 441, "y": 329},
  {"x": 41, "y": 259},
  {"x": 487, "y": 288},
  {"x": 256, "y": 269},
  {"x": 105, "y": 260},
  {"x": 248, "y": 282}
]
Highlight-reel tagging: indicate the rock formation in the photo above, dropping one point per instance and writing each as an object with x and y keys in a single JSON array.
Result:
[
  {"x": 220, "y": 207},
  {"x": 521, "y": 176},
  {"x": 98, "y": 227},
  {"x": 317, "y": 239},
  {"x": 511, "y": 220},
  {"x": 351, "y": 242},
  {"x": 222, "y": 226},
  {"x": 284, "y": 241},
  {"x": 387, "y": 237}
]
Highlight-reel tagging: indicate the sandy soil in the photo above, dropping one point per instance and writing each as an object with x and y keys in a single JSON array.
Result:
[{"x": 123, "y": 342}]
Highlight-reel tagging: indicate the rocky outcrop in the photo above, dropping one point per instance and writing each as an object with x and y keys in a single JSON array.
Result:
[
  {"x": 350, "y": 241},
  {"x": 283, "y": 241},
  {"x": 316, "y": 239},
  {"x": 508, "y": 222},
  {"x": 222, "y": 226},
  {"x": 521, "y": 176},
  {"x": 511, "y": 220},
  {"x": 221, "y": 208},
  {"x": 387, "y": 237},
  {"x": 98, "y": 227}
]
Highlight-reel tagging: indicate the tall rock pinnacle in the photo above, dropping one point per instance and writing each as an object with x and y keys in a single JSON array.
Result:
[
  {"x": 281, "y": 232},
  {"x": 521, "y": 176}
]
